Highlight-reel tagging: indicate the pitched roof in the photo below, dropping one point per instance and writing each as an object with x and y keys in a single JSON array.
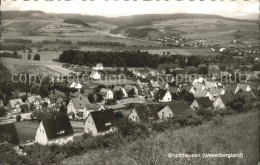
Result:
[
  {"x": 93, "y": 73},
  {"x": 57, "y": 128},
  {"x": 13, "y": 102},
  {"x": 228, "y": 98},
  {"x": 209, "y": 84},
  {"x": 161, "y": 93},
  {"x": 200, "y": 93},
  {"x": 215, "y": 90},
  {"x": 103, "y": 119},
  {"x": 230, "y": 87},
  {"x": 198, "y": 86},
  {"x": 204, "y": 102},
  {"x": 173, "y": 89},
  {"x": 147, "y": 113},
  {"x": 187, "y": 87},
  {"x": 242, "y": 86},
  {"x": 179, "y": 107},
  {"x": 143, "y": 80},
  {"x": 104, "y": 91},
  {"x": 117, "y": 88},
  {"x": 154, "y": 84},
  {"x": 31, "y": 99},
  {"x": 129, "y": 87},
  {"x": 11, "y": 130},
  {"x": 81, "y": 102}
]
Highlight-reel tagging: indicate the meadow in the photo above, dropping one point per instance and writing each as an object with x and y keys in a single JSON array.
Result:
[{"x": 233, "y": 134}]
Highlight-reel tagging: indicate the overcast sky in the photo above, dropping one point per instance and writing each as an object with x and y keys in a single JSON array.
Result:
[{"x": 111, "y": 8}]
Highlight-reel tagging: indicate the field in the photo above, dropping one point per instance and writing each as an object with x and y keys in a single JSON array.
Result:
[
  {"x": 210, "y": 29},
  {"x": 185, "y": 52},
  {"x": 39, "y": 30},
  {"x": 234, "y": 134}
]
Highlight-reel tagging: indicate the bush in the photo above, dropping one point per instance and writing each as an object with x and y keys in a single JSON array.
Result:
[
  {"x": 110, "y": 102},
  {"x": 18, "y": 118}
]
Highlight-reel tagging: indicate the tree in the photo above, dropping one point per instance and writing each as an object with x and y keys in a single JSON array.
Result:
[
  {"x": 110, "y": 102},
  {"x": 99, "y": 97},
  {"x": 37, "y": 57},
  {"x": 29, "y": 56},
  {"x": 131, "y": 93},
  {"x": 18, "y": 118},
  {"x": 119, "y": 95},
  {"x": 92, "y": 97},
  {"x": 24, "y": 108},
  {"x": 3, "y": 111}
]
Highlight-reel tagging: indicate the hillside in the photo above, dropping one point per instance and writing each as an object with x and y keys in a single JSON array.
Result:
[
  {"x": 76, "y": 21},
  {"x": 235, "y": 134}
]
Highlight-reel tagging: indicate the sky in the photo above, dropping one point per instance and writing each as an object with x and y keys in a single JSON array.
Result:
[{"x": 111, "y": 8}]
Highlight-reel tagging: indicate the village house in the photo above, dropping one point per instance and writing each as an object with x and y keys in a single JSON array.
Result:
[
  {"x": 99, "y": 66},
  {"x": 153, "y": 87},
  {"x": 119, "y": 88},
  {"x": 35, "y": 100},
  {"x": 143, "y": 89},
  {"x": 223, "y": 100},
  {"x": 106, "y": 93},
  {"x": 210, "y": 84},
  {"x": 243, "y": 87},
  {"x": 143, "y": 81},
  {"x": 14, "y": 106},
  {"x": 100, "y": 123},
  {"x": 150, "y": 113},
  {"x": 56, "y": 130},
  {"x": 79, "y": 107},
  {"x": 213, "y": 93},
  {"x": 75, "y": 85},
  {"x": 163, "y": 95},
  {"x": 201, "y": 103},
  {"x": 56, "y": 98},
  {"x": 189, "y": 88},
  {"x": 199, "y": 80},
  {"x": 128, "y": 88},
  {"x": 201, "y": 93},
  {"x": 95, "y": 75},
  {"x": 9, "y": 129},
  {"x": 199, "y": 86},
  {"x": 230, "y": 88}
]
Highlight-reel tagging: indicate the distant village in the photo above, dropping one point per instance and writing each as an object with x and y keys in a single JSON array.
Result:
[{"x": 154, "y": 96}]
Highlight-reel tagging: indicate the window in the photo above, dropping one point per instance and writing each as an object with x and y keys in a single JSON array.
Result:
[{"x": 170, "y": 115}]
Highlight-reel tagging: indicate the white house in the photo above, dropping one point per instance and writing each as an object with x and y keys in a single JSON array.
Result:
[
  {"x": 75, "y": 85},
  {"x": 95, "y": 75},
  {"x": 54, "y": 131},
  {"x": 100, "y": 123},
  {"x": 106, "y": 93},
  {"x": 99, "y": 66},
  {"x": 164, "y": 95}
]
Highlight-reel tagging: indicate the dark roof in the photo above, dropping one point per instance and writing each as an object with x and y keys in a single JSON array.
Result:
[
  {"x": 204, "y": 102},
  {"x": 161, "y": 93},
  {"x": 101, "y": 118},
  {"x": 228, "y": 98},
  {"x": 147, "y": 113},
  {"x": 173, "y": 89},
  {"x": 143, "y": 80},
  {"x": 11, "y": 130},
  {"x": 56, "y": 128},
  {"x": 178, "y": 107}
]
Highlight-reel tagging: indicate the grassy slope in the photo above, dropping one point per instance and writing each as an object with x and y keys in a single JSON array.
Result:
[{"x": 235, "y": 134}]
